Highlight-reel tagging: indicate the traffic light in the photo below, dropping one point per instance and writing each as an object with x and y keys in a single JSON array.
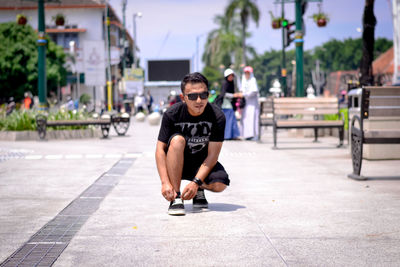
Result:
[{"x": 287, "y": 32}]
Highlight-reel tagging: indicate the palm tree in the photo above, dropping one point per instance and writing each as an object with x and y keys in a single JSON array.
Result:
[
  {"x": 222, "y": 43},
  {"x": 247, "y": 9}
]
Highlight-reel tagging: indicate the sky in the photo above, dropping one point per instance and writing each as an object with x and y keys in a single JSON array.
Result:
[{"x": 171, "y": 29}]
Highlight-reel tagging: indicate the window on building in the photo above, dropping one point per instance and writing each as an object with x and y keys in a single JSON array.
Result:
[{"x": 63, "y": 39}]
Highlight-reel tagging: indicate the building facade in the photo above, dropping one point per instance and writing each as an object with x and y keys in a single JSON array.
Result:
[{"x": 84, "y": 30}]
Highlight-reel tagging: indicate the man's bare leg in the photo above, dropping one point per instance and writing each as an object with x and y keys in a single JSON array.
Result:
[
  {"x": 175, "y": 161},
  {"x": 214, "y": 187}
]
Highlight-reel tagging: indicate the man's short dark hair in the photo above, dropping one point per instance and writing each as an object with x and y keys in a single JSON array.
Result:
[{"x": 194, "y": 77}]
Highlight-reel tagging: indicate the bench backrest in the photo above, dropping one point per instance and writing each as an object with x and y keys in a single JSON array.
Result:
[
  {"x": 305, "y": 106},
  {"x": 380, "y": 102},
  {"x": 266, "y": 106}
]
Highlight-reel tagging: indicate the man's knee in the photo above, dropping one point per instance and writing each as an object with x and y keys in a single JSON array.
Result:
[
  {"x": 217, "y": 187},
  {"x": 177, "y": 142}
]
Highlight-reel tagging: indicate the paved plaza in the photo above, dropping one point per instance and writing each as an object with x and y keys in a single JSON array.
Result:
[{"x": 97, "y": 202}]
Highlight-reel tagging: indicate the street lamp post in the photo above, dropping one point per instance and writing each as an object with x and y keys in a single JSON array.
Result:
[
  {"x": 72, "y": 50},
  {"x": 139, "y": 15},
  {"x": 42, "y": 43},
  {"x": 123, "y": 38}
]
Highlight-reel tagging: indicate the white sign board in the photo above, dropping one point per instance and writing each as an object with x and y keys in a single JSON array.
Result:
[
  {"x": 134, "y": 81},
  {"x": 94, "y": 63},
  {"x": 396, "y": 41}
]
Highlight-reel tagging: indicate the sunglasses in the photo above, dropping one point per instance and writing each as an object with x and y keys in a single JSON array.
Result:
[{"x": 194, "y": 96}]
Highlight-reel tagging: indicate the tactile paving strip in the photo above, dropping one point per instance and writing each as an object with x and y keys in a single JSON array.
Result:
[{"x": 45, "y": 246}]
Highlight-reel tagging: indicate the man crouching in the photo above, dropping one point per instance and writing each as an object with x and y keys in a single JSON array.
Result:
[{"x": 188, "y": 146}]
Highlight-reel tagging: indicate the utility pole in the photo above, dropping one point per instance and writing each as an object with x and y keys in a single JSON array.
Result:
[
  {"x": 139, "y": 14},
  {"x": 299, "y": 50},
  {"x": 283, "y": 69},
  {"x": 300, "y": 9},
  {"x": 42, "y": 43},
  {"x": 123, "y": 38},
  {"x": 109, "y": 82}
]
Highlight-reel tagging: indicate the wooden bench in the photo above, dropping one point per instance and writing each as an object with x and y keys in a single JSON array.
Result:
[
  {"x": 119, "y": 122},
  {"x": 377, "y": 104},
  {"x": 266, "y": 114},
  {"x": 303, "y": 113}
]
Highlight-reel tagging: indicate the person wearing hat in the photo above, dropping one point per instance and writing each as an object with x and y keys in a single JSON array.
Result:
[
  {"x": 226, "y": 96},
  {"x": 250, "y": 113}
]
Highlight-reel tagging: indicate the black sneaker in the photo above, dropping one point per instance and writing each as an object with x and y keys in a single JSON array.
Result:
[
  {"x": 176, "y": 207},
  {"x": 199, "y": 200}
]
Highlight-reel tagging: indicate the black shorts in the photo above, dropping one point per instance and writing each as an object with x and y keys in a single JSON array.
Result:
[{"x": 192, "y": 164}]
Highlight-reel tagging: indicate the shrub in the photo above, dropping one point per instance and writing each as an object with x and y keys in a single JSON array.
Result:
[{"x": 22, "y": 120}]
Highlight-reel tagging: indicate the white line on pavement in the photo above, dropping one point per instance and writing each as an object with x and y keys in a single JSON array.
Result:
[
  {"x": 53, "y": 157},
  {"x": 33, "y": 157},
  {"x": 77, "y": 156},
  {"x": 112, "y": 156},
  {"x": 94, "y": 156},
  {"x": 133, "y": 155}
]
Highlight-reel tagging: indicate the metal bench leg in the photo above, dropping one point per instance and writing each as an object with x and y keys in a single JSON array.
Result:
[
  {"x": 105, "y": 130},
  {"x": 341, "y": 136},
  {"x": 41, "y": 124},
  {"x": 315, "y": 135},
  {"x": 356, "y": 152},
  {"x": 275, "y": 136}
]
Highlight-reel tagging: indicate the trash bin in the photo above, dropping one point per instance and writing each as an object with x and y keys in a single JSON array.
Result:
[{"x": 382, "y": 151}]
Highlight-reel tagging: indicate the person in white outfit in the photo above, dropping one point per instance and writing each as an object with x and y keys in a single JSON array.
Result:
[{"x": 250, "y": 113}]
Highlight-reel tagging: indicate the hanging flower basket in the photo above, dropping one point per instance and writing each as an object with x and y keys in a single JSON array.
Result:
[
  {"x": 276, "y": 22},
  {"x": 59, "y": 19},
  {"x": 321, "y": 19},
  {"x": 22, "y": 19}
]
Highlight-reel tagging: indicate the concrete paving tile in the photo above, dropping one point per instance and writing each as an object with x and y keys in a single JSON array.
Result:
[
  {"x": 172, "y": 251},
  {"x": 320, "y": 251}
]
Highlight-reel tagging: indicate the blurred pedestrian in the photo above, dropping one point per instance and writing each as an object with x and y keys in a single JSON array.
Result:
[
  {"x": 140, "y": 103},
  {"x": 28, "y": 102},
  {"x": 70, "y": 103},
  {"x": 225, "y": 102},
  {"x": 149, "y": 102},
  {"x": 250, "y": 111}
]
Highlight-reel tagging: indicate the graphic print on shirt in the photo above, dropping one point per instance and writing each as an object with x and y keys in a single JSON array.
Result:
[{"x": 198, "y": 134}]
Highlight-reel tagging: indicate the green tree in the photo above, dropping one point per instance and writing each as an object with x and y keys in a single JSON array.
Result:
[
  {"x": 19, "y": 59},
  {"x": 267, "y": 68},
  {"x": 222, "y": 44},
  {"x": 247, "y": 9},
  {"x": 337, "y": 55}
]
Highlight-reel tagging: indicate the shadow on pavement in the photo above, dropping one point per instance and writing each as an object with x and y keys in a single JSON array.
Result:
[
  {"x": 381, "y": 178},
  {"x": 308, "y": 147},
  {"x": 221, "y": 207}
]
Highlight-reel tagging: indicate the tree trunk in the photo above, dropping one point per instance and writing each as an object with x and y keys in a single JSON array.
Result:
[
  {"x": 369, "y": 22},
  {"x": 244, "y": 26}
]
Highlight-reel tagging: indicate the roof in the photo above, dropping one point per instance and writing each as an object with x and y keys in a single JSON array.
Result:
[
  {"x": 384, "y": 64},
  {"x": 32, "y": 4}
]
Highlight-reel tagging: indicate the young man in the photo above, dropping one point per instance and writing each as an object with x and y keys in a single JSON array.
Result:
[{"x": 188, "y": 146}]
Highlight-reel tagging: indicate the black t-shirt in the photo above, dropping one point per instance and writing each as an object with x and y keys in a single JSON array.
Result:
[{"x": 197, "y": 130}]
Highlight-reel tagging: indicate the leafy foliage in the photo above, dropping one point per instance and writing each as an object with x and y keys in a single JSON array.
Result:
[
  {"x": 23, "y": 120},
  {"x": 19, "y": 60},
  {"x": 246, "y": 9},
  {"x": 267, "y": 67},
  {"x": 337, "y": 55},
  {"x": 85, "y": 99}
]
